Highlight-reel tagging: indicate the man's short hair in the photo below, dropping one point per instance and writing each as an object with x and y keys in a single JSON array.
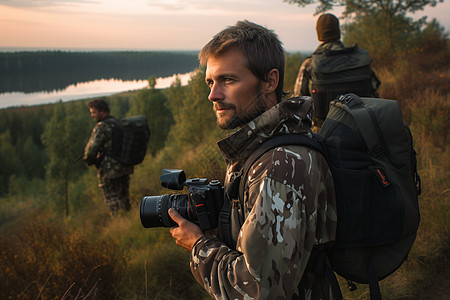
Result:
[
  {"x": 100, "y": 105},
  {"x": 260, "y": 46}
]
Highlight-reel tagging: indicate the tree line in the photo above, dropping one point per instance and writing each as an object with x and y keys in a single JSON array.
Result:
[{"x": 55, "y": 70}]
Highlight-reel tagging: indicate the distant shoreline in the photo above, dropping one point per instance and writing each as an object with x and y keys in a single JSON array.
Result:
[
  {"x": 86, "y": 90},
  {"x": 43, "y": 49},
  {"x": 40, "y": 49}
]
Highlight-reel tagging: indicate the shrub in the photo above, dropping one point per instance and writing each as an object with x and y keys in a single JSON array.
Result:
[{"x": 48, "y": 259}]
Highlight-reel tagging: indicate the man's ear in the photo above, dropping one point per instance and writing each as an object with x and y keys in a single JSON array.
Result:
[{"x": 271, "y": 84}]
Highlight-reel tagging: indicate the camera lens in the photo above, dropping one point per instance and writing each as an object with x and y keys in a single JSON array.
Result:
[{"x": 154, "y": 209}]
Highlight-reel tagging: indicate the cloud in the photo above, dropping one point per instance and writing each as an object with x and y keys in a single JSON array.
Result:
[
  {"x": 231, "y": 6},
  {"x": 42, "y": 3},
  {"x": 168, "y": 4}
]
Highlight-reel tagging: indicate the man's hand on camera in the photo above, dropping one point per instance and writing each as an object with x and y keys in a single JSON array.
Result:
[{"x": 187, "y": 233}]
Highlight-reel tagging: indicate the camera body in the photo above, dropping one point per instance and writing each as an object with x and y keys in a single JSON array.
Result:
[{"x": 201, "y": 205}]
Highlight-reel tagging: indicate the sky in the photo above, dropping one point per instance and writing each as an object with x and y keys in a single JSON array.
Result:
[{"x": 156, "y": 24}]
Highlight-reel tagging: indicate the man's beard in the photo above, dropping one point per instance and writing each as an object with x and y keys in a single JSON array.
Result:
[{"x": 255, "y": 108}]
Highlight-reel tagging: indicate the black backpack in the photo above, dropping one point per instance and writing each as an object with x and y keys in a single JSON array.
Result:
[
  {"x": 130, "y": 137},
  {"x": 337, "y": 72},
  {"x": 370, "y": 153}
]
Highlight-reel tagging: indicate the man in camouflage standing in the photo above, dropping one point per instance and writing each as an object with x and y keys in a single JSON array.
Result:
[
  {"x": 113, "y": 177},
  {"x": 289, "y": 202},
  {"x": 329, "y": 35}
]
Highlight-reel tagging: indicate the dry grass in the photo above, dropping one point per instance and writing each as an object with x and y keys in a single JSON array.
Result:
[{"x": 43, "y": 258}]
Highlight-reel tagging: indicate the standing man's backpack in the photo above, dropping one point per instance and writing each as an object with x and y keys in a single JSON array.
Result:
[
  {"x": 129, "y": 139},
  {"x": 371, "y": 156},
  {"x": 337, "y": 72}
]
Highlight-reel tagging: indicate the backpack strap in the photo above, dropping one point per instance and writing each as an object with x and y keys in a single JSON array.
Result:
[
  {"x": 313, "y": 142},
  {"x": 376, "y": 145},
  {"x": 116, "y": 138},
  {"x": 319, "y": 263},
  {"x": 374, "y": 286},
  {"x": 330, "y": 52},
  {"x": 236, "y": 187},
  {"x": 224, "y": 225},
  {"x": 364, "y": 118}
]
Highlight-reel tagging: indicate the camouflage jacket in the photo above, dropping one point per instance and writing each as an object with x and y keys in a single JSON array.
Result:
[
  {"x": 303, "y": 82},
  {"x": 289, "y": 206},
  {"x": 96, "y": 152}
]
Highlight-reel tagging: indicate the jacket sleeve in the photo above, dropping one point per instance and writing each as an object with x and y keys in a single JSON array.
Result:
[
  {"x": 275, "y": 241},
  {"x": 375, "y": 84},
  {"x": 301, "y": 87},
  {"x": 96, "y": 141}
]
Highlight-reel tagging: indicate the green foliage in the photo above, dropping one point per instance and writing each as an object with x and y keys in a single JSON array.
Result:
[
  {"x": 324, "y": 5},
  {"x": 368, "y": 6},
  {"x": 369, "y": 32},
  {"x": 191, "y": 111},
  {"x": 153, "y": 103},
  {"x": 63, "y": 137},
  {"x": 119, "y": 105},
  {"x": 405, "y": 36},
  {"x": 21, "y": 150},
  {"x": 381, "y": 27},
  {"x": 9, "y": 161},
  {"x": 293, "y": 63}
]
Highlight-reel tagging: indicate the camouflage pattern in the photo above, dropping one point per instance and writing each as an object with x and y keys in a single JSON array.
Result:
[
  {"x": 289, "y": 206},
  {"x": 115, "y": 193},
  {"x": 108, "y": 168}
]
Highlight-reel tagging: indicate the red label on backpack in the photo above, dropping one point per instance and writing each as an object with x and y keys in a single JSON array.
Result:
[{"x": 382, "y": 177}]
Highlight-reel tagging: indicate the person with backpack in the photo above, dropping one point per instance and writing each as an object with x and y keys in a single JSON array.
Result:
[
  {"x": 334, "y": 69},
  {"x": 113, "y": 176},
  {"x": 264, "y": 240}
]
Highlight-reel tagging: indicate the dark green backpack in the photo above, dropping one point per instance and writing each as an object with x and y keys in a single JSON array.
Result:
[
  {"x": 374, "y": 166},
  {"x": 130, "y": 137},
  {"x": 369, "y": 150},
  {"x": 337, "y": 72}
]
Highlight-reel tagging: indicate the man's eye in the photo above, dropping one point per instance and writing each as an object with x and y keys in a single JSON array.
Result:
[{"x": 228, "y": 80}]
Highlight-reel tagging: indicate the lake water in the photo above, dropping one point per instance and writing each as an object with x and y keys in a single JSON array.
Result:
[{"x": 95, "y": 88}]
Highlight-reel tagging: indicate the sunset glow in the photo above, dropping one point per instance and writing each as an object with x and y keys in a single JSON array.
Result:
[{"x": 156, "y": 24}]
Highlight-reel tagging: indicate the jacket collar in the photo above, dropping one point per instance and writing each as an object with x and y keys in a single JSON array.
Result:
[{"x": 293, "y": 115}]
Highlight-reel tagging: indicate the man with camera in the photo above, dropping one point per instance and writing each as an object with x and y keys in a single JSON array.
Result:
[{"x": 288, "y": 205}]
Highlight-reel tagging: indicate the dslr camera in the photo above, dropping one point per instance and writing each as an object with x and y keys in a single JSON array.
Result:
[{"x": 201, "y": 205}]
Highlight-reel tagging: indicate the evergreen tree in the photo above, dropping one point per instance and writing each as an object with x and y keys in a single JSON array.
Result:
[
  {"x": 192, "y": 111},
  {"x": 63, "y": 138},
  {"x": 9, "y": 161}
]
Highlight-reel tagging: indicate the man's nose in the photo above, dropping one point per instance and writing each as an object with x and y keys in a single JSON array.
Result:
[{"x": 216, "y": 93}]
